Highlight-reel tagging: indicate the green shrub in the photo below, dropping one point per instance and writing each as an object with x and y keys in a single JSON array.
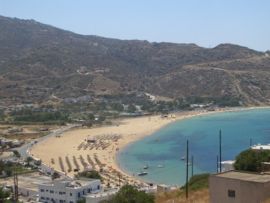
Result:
[
  {"x": 198, "y": 182},
  {"x": 250, "y": 160},
  {"x": 129, "y": 194},
  {"x": 89, "y": 174}
]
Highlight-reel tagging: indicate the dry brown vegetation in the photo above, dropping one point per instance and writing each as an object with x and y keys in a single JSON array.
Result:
[
  {"x": 24, "y": 132},
  {"x": 37, "y": 64},
  {"x": 178, "y": 196}
]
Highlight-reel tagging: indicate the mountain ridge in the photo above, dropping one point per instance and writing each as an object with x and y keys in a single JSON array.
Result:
[{"x": 38, "y": 60}]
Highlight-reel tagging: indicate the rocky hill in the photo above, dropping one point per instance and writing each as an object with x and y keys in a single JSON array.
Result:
[{"x": 38, "y": 61}]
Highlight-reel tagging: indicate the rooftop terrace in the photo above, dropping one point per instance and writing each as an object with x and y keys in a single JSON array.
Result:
[{"x": 245, "y": 176}]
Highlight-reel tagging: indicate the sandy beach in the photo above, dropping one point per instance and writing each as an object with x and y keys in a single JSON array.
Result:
[{"x": 97, "y": 147}]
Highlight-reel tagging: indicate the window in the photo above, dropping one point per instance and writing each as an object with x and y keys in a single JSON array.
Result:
[
  {"x": 41, "y": 190},
  {"x": 51, "y": 191},
  {"x": 231, "y": 193},
  {"x": 79, "y": 195},
  {"x": 70, "y": 194}
]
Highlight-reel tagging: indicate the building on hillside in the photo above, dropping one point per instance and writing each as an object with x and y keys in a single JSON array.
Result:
[
  {"x": 261, "y": 147},
  {"x": 239, "y": 187},
  {"x": 227, "y": 165},
  {"x": 66, "y": 191}
]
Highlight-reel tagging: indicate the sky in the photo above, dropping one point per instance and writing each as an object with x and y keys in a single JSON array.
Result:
[{"x": 204, "y": 22}]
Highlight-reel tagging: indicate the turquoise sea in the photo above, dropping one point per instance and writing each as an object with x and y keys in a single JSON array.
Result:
[{"x": 168, "y": 145}]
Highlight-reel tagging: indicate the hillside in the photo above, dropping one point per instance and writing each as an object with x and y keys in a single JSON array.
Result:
[{"x": 38, "y": 62}]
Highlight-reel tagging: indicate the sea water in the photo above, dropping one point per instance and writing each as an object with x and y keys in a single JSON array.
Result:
[{"x": 163, "y": 151}]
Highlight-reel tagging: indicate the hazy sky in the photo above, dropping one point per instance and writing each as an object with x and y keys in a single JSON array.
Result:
[{"x": 204, "y": 22}]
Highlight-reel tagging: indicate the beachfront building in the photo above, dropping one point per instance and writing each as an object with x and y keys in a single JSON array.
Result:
[
  {"x": 239, "y": 187},
  {"x": 67, "y": 191}
]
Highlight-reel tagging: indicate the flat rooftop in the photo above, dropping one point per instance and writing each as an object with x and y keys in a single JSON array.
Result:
[
  {"x": 261, "y": 147},
  {"x": 245, "y": 176},
  {"x": 70, "y": 183},
  {"x": 29, "y": 181}
]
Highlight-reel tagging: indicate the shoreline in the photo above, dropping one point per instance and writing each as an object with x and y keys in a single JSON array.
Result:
[{"x": 140, "y": 127}]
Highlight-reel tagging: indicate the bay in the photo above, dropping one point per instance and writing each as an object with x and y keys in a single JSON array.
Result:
[{"x": 163, "y": 150}]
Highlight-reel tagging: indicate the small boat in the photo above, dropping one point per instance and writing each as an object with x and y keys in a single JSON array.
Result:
[
  {"x": 142, "y": 173},
  {"x": 160, "y": 166},
  {"x": 183, "y": 158},
  {"x": 146, "y": 167}
]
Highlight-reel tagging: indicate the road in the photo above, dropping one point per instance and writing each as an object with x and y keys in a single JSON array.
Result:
[{"x": 23, "y": 150}]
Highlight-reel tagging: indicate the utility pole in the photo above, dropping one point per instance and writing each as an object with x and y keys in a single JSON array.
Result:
[
  {"x": 119, "y": 179},
  {"x": 192, "y": 166},
  {"x": 220, "y": 159},
  {"x": 217, "y": 164},
  {"x": 250, "y": 142},
  {"x": 187, "y": 159},
  {"x": 15, "y": 179}
]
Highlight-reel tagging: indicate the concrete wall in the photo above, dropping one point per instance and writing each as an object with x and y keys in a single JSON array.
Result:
[
  {"x": 245, "y": 191},
  {"x": 31, "y": 193},
  {"x": 96, "y": 199}
]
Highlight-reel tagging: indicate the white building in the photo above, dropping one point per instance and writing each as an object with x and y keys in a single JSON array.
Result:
[
  {"x": 261, "y": 147},
  {"x": 66, "y": 191},
  {"x": 227, "y": 165}
]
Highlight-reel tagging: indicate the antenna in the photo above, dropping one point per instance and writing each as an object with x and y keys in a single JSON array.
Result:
[{"x": 250, "y": 142}]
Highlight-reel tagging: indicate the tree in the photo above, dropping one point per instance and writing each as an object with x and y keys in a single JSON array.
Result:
[
  {"x": 16, "y": 153},
  {"x": 91, "y": 117},
  {"x": 250, "y": 160},
  {"x": 3, "y": 195},
  {"x": 131, "y": 108},
  {"x": 90, "y": 174},
  {"x": 117, "y": 107},
  {"x": 81, "y": 200},
  {"x": 28, "y": 160},
  {"x": 55, "y": 175},
  {"x": 129, "y": 194},
  {"x": 8, "y": 172}
]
